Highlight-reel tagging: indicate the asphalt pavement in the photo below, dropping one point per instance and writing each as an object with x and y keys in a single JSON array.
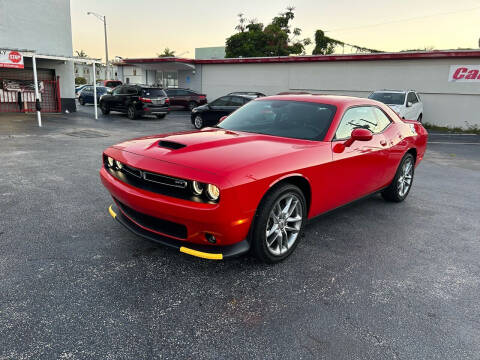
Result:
[{"x": 375, "y": 280}]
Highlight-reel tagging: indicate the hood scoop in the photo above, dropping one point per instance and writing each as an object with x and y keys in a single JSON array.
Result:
[{"x": 171, "y": 145}]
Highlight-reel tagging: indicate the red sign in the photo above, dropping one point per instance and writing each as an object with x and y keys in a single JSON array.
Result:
[
  {"x": 11, "y": 59},
  {"x": 464, "y": 73}
]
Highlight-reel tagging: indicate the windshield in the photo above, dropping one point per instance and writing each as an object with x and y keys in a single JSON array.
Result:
[
  {"x": 153, "y": 93},
  {"x": 389, "y": 98},
  {"x": 291, "y": 119}
]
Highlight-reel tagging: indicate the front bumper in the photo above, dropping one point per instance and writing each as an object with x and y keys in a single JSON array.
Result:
[{"x": 201, "y": 251}]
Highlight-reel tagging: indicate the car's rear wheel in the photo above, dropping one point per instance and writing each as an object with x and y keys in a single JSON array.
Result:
[
  {"x": 132, "y": 112},
  {"x": 402, "y": 182},
  {"x": 81, "y": 101},
  {"x": 278, "y": 224},
  {"x": 161, "y": 116},
  {"x": 105, "y": 108},
  {"x": 192, "y": 105},
  {"x": 198, "y": 122}
]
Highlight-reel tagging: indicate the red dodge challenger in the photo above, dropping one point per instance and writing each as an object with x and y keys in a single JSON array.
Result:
[{"x": 252, "y": 182}]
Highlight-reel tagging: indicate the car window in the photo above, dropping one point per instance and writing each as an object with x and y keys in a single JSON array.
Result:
[
  {"x": 183, "y": 93},
  {"x": 153, "y": 92},
  {"x": 383, "y": 120},
  {"x": 389, "y": 98},
  {"x": 118, "y": 90},
  {"x": 223, "y": 101},
  {"x": 291, "y": 119},
  {"x": 357, "y": 117},
  {"x": 236, "y": 101},
  {"x": 132, "y": 91},
  {"x": 171, "y": 92},
  {"x": 412, "y": 98}
]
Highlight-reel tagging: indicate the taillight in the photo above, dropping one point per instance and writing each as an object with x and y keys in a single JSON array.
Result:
[
  {"x": 145, "y": 100},
  {"x": 167, "y": 101},
  {"x": 202, "y": 97}
]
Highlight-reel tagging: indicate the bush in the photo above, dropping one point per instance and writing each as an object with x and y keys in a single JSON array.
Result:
[{"x": 80, "y": 80}]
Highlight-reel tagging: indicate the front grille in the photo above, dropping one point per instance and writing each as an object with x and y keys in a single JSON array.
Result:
[
  {"x": 150, "y": 222},
  {"x": 156, "y": 183}
]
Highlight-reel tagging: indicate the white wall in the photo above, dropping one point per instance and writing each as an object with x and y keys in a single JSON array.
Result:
[
  {"x": 446, "y": 103},
  {"x": 40, "y": 25}
]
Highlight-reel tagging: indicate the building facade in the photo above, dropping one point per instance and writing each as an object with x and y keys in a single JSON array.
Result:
[
  {"x": 447, "y": 101},
  {"x": 42, "y": 28}
]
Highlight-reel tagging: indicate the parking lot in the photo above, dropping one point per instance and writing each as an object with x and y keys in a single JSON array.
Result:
[{"x": 373, "y": 280}]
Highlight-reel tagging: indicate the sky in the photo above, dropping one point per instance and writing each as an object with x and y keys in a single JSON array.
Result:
[{"x": 143, "y": 28}]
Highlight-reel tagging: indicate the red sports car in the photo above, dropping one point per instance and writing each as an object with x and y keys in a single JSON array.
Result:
[{"x": 253, "y": 181}]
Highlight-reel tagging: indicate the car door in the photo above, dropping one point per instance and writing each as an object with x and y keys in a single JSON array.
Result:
[
  {"x": 412, "y": 106},
  {"x": 183, "y": 97},
  {"x": 234, "y": 103},
  {"x": 359, "y": 169},
  {"x": 116, "y": 99},
  {"x": 218, "y": 108},
  {"x": 173, "y": 96}
]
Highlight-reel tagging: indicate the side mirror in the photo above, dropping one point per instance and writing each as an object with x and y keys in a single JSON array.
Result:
[
  {"x": 358, "y": 135},
  {"x": 222, "y": 118},
  {"x": 409, "y": 104},
  {"x": 109, "y": 90}
]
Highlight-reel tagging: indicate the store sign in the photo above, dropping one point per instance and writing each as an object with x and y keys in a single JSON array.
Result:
[
  {"x": 11, "y": 59},
  {"x": 464, "y": 73}
]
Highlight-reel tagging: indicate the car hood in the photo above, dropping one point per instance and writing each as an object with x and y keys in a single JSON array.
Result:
[{"x": 214, "y": 150}]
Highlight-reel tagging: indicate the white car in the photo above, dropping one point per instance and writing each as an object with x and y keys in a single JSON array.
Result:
[{"x": 406, "y": 103}]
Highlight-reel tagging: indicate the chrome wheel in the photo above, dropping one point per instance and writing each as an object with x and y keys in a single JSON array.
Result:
[
  {"x": 284, "y": 224},
  {"x": 198, "y": 122},
  {"x": 405, "y": 179}
]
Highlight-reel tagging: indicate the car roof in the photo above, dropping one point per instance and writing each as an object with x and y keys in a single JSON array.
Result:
[{"x": 394, "y": 91}]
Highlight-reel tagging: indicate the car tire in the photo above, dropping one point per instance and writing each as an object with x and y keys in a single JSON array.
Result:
[
  {"x": 81, "y": 101},
  {"x": 402, "y": 183},
  {"x": 104, "y": 108},
  {"x": 192, "y": 105},
  {"x": 420, "y": 117},
  {"x": 161, "y": 116},
  {"x": 132, "y": 112},
  {"x": 198, "y": 122},
  {"x": 273, "y": 237}
]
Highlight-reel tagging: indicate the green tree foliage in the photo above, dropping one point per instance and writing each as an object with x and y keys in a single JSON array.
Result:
[
  {"x": 167, "y": 53},
  {"x": 81, "y": 54},
  {"x": 324, "y": 45},
  {"x": 80, "y": 80},
  {"x": 254, "y": 39}
]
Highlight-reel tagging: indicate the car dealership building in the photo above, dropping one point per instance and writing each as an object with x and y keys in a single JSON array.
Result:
[{"x": 445, "y": 80}]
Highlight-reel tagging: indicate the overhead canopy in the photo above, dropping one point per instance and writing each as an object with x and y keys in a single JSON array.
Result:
[{"x": 161, "y": 64}]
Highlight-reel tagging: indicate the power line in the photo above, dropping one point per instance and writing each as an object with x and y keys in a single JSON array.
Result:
[{"x": 402, "y": 20}]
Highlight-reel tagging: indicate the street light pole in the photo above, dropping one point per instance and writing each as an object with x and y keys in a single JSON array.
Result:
[{"x": 104, "y": 19}]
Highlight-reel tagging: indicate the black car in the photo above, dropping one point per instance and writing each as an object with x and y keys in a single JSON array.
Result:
[
  {"x": 248, "y": 93},
  {"x": 210, "y": 114},
  {"x": 136, "y": 101}
]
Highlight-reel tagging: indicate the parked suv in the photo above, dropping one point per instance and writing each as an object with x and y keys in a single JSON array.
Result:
[
  {"x": 186, "y": 98},
  {"x": 135, "y": 101},
  {"x": 406, "y": 103},
  {"x": 109, "y": 83}
]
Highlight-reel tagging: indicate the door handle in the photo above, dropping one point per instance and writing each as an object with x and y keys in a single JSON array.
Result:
[{"x": 383, "y": 143}]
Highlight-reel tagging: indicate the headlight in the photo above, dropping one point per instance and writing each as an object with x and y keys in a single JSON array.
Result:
[
  {"x": 197, "y": 188},
  {"x": 119, "y": 165},
  {"x": 110, "y": 161},
  {"x": 213, "y": 192}
]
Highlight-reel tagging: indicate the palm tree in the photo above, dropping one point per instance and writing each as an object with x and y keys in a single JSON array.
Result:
[
  {"x": 81, "y": 54},
  {"x": 167, "y": 53}
]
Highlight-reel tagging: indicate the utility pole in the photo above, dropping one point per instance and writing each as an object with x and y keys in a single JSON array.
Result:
[{"x": 104, "y": 19}]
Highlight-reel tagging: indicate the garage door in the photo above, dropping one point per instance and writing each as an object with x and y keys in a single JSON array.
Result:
[{"x": 17, "y": 93}]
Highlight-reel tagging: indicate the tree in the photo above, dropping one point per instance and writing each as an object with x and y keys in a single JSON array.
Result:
[
  {"x": 276, "y": 39},
  {"x": 80, "y": 80},
  {"x": 81, "y": 54},
  {"x": 167, "y": 53},
  {"x": 324, "y": 45}
]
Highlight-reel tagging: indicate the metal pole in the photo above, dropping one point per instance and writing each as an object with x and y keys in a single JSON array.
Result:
[
  {"x": 106, "y": 47},
  {"x": 95, "y": 91},
  {"x": 37, "y": 97}
]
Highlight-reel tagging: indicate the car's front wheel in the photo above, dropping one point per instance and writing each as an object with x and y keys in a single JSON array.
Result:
[
  {"x": 105, "y": 108},
  {"x": 198, "y": 122},
  {"x": 398, "y": 190},
  {"x": 81, "y": 101},
  {"x": 279, "y": 223}
]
